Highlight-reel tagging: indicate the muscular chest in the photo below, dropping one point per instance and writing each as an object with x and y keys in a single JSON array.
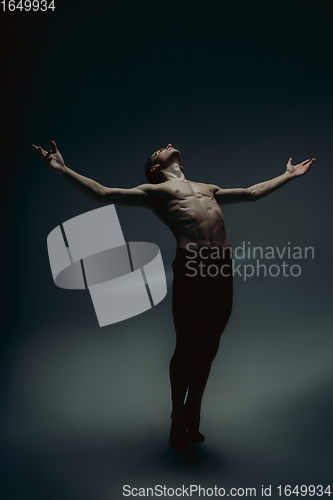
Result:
[
  {"x": 189, "y": 201},
  {"x": 191, "y": 191}
]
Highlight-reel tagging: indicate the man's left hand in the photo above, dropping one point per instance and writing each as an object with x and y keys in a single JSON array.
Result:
[{"x": 300, "y": 169}]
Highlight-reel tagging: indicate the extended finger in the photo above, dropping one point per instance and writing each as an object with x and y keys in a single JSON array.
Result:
[
  {"x": 47, "y": 157},
  {"x": 41, "y": 152},
  {"x": 54, "y": 146},
  {"x": 308, "y": 165}
]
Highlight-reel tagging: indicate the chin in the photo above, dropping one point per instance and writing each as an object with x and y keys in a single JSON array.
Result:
[{"x": 176, "y": 153}]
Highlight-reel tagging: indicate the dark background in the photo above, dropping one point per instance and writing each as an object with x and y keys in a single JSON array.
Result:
[{"x": 238, "y": 88}]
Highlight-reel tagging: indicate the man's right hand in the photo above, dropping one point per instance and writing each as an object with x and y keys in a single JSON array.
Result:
[{"x": 52, "y": 158}]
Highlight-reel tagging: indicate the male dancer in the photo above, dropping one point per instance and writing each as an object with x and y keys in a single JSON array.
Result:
[{"x": 201, "y": 302}]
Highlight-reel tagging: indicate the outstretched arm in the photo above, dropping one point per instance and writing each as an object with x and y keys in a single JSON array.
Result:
[
  {"x": 258, "y": 191},
  {"x": 138, "y": 196}
]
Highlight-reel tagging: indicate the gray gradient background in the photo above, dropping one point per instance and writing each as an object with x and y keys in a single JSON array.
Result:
[{"x": 238, "y": 89}]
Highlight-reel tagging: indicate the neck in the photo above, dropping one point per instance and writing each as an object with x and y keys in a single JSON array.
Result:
[
  {"x": 173, "y": 177},
  {"x": 173, "y": 173}
]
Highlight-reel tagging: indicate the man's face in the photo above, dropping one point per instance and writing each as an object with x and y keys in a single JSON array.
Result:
[{"x": 166, "y": 156}]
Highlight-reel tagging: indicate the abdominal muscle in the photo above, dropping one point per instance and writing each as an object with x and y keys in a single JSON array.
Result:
[{"x": 207, "y": 232}]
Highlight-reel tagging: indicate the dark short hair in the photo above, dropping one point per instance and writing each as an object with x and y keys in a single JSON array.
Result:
[{"x": 152, "y": 177}]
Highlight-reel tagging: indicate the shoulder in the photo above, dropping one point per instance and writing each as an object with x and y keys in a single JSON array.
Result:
[
  {"x": 153, "y": 194},
  {"x": 150, "y": 189},
  {"x": 159, "y": 189},
  {"x": 147, "y": 190},
  {"x": 144, "y": 188},
  {"x": 214, "y": 187}
]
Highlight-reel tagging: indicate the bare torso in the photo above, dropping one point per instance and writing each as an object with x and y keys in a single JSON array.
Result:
[{"x": 190, "y": 210}]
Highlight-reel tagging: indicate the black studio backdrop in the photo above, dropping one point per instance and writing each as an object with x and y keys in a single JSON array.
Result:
[
  {"x": 238, "y": 88},
  {"x": 112, "y": 81}
]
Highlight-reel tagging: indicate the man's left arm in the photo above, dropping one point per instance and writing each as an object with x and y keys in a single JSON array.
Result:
[{"x": 258, "y": 191}]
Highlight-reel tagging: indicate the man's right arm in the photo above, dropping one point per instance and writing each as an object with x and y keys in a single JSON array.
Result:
[{"x": 138, "y": 196}]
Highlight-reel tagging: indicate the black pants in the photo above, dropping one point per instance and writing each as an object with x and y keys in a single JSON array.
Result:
[{"x": 201, "y": 305}]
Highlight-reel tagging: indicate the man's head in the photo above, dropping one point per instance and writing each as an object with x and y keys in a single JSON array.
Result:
[{"x": 162, "y": 164}]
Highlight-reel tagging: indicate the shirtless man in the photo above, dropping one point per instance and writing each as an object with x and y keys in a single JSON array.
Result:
[{"x": 201, "y": 303}]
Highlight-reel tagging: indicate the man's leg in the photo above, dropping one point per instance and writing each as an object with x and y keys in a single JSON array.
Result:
[
  {"x": 180, "y": 369},
  {"x": 186, "y": 310},
  {"x": 206, "y": 351},
  {"x": 218, "y": 298},
  {"x": 201, "y": 310}
]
